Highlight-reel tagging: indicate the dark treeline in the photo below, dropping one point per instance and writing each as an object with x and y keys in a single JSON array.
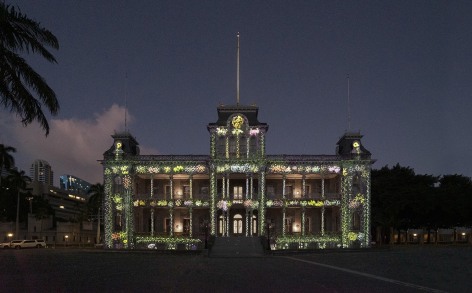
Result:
[{"x": 402, "y": 199}]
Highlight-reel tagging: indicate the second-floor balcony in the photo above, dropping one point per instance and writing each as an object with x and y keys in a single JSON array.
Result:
[
  {"x": 164, "y": 196},
  {"x": 313, "y": 195}
]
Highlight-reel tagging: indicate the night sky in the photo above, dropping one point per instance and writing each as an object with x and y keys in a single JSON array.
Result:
[{"x": 173, "y": 62}]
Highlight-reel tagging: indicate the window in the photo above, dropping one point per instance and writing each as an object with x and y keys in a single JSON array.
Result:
[
  {"x": 356, "y": 221},
  {"x": 307, "y": 190},
  {"x": 242, "y": 147},
  {"x": 288, "y": 225},
  {"x": 270, "y": 191},
  {"x": 186, "y": 191},
  {"x": 221, "y": 224},
  {"x": 232, "y": 147},
  {"x": 237, "y": 192},
  {"x": 253, "y": 146},
  {"x": 307, "y": 225},
  {"x": 220, "y": 146},
  {"x": 288, "y": 190},
  {"x": 167, "y": 195}
]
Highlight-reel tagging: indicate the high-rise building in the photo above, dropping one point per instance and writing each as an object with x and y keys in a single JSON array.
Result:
[
  {"x": 72, "y": 183},
  {"x": 41, "y": 171}
]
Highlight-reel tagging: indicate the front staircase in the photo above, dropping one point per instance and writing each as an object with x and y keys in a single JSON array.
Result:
[{"x": 237, "y": 247}]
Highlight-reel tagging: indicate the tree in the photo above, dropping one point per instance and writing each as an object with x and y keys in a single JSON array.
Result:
[
  {"x": 95, "y": 202},
  {"x": 18, "y": 181},
  {"x": 20, "y": 34},
  {"x": 401, "y": 199},
  {"x": 6, "y": 160},
  {"x": 455, "y": 200}
]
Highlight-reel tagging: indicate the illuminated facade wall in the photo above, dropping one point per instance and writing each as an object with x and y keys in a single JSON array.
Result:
[{"x": 307, "y": 201}]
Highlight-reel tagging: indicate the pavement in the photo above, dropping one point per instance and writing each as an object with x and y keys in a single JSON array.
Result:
[{"x": 397, "y": 269}]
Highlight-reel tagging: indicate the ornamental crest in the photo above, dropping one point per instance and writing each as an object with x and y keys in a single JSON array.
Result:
[{"x": 237, "y": 121}]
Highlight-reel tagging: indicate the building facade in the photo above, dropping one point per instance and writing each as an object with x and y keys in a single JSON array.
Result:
[
  {"x": 41, "y": 171},
  {"x": 73, "y": 183},
  {"x": 300, "y": 201}
]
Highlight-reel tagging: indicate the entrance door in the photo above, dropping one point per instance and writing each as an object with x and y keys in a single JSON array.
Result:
[{"x": 237, "y": 224}]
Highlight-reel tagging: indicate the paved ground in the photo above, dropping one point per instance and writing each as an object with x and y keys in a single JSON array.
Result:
[{"x": 401, "y": 269}]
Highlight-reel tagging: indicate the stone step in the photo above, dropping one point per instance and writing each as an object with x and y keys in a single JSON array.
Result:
[{"x": 237, "y": 247}]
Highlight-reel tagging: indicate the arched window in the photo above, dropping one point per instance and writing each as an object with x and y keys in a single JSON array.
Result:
[{"x": 237, "y": 224}]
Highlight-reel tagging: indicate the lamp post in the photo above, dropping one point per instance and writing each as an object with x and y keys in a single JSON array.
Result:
[
  {"x": 10, "y": 236},
  {"x": 67, "y": 237},
  {"x": 17, "y": 226}
]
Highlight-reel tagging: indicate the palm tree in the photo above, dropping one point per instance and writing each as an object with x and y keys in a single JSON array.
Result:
[
  {"x": 6, "y": 160},
  {"x": 97, "y": 194},
  {"x": 20, "y": 34},
  {"x": 18, "y": 181}
]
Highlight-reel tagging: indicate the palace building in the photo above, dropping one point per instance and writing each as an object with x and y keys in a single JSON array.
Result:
[
  {"x": 304, "y": 201},
  {"x": 297, "y": 201}
]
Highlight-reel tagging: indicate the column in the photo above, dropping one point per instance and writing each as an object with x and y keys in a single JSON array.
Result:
[
  {"x": 283, "y": 187},
  {"x": 262, "y": 203},
  {"x": 223, "y": 186},
  {"x": 247, "y": 187},
  {"x": 227, "y": 186},
  {"x": 191, "y": 221},
  {"x": 171, "y": 216},
  {"x": 303, "y": 186},
  {"x": 322, "y": 221},
  {"x": 322, "y": 187},
  {"x": 247, "y": 223},
  {"x": 191, "y": 186},
  {"x": 152, "y": 208},
  {"x": 251, "y": 223},
  {"x": 171, "y": 183},
  {"x": 303, "y": 221},
  {"x": 247, "y": 146},
  {"x": 129, "y": 210},
  {"x": 283, "y": 220},
  {"x": 108, "y": 210},
  {"x": 213, "y": 192},
  {"x": 252, "y": 186},
  {"x": 227, "y": 223},
  {"x": 152, "y": 221}
]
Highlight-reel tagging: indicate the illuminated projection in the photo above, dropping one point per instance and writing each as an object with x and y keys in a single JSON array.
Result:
[{"x": 178, "y": 202}]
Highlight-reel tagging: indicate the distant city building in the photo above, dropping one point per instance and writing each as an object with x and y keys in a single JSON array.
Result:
[
  {"x": 75, "y": 184},
  {"x": 67, "y": 205},
  {"x": 41, "y": 171}
]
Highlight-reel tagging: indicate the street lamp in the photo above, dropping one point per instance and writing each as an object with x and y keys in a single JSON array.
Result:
[{"x": 67, "y": 237}]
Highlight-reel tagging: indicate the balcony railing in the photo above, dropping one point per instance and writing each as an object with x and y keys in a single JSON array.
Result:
[{"x": 163, "y": 196}]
